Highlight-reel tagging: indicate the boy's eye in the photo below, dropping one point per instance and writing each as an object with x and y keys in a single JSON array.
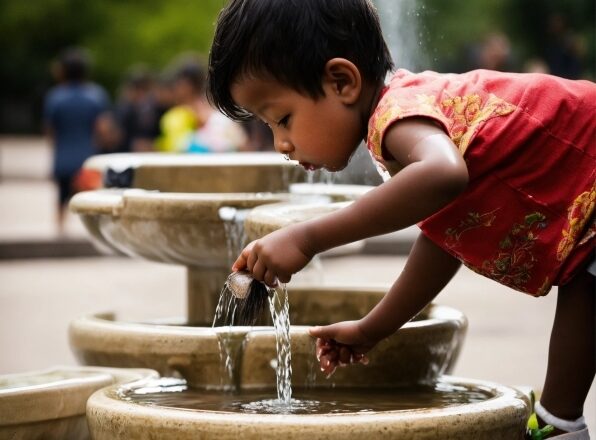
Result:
[{"x": 283, "y": 122}]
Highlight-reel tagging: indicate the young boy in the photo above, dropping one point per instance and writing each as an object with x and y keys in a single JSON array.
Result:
[{"x": 497, "y": 169}]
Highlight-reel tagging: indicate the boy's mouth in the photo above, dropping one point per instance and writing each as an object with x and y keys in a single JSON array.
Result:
[{"x": 309, "y": 166}]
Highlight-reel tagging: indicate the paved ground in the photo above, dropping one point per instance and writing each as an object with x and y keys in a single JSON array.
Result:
[{"x": 507, "y": 338}]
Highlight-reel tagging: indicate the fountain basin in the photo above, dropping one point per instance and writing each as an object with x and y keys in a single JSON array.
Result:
[
  {"x": 179, "y": 228},
  {"x": 51, "y": 404},
  {"x": 261, "y": 222},
  {"x": 502, "y": 414},
  {"x": 336, "y": 192},
  {"x": 225, "y": 172},
  {"x": 419, "y": 352}
]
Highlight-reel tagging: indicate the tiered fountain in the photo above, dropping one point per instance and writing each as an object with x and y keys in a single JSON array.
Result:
[{"x": 402, "y": 393}]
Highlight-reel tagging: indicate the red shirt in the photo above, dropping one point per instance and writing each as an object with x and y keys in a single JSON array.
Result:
[{"x": 526, "y": 218}]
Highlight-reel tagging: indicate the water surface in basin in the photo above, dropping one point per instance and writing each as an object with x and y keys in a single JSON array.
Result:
[{"x": 174, "y": 393}]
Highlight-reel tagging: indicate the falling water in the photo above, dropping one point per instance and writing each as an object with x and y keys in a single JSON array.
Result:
[
  {"x": 226, "y": 314},
  {"x": 227, "y": 305},
  {"x": 320, "y": 176},
  {"x": 280, "y": 315},
  {"x": 233, "y": 222},
  {"x": 403, "y": 34}
]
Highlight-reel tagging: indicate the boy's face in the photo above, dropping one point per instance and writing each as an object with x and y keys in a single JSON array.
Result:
[{"x": 321, "y": 133}]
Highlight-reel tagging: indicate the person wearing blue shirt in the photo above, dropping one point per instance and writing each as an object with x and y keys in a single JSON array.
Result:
[{"x": 74, "y": 114}]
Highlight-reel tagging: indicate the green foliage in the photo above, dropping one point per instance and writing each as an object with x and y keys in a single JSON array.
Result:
[
  {"x": 152, "y": 34},
  {"x": 117, "y": 33},
  {"x": 122, "y": 33}
]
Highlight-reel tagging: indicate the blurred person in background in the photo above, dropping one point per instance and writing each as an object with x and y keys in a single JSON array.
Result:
[
  {"x": 192, "y": 125},
  {"x": 138, "y": 112},
  {"x": 259, "y": 135},
  {"x": 564, "y": 50},
  {"x": 77, "y": 121},
  {"x": 493, "y": 52}
]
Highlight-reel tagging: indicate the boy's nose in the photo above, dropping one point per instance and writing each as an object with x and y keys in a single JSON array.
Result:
[{"x": 283, "y": 147}]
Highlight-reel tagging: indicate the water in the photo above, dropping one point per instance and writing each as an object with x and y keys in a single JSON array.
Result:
[
  {"x": 320, "y": 176},
  {"x": 233, "y": 222},
  {"x": 404, "y": 36},
  {"x": 227, "y": 314},
  {"x": 173, "y": 393},
  {"x": 279, "y": 307}
]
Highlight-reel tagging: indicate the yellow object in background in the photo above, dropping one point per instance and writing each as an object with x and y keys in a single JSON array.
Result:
[{"x": 177, "y": 126}]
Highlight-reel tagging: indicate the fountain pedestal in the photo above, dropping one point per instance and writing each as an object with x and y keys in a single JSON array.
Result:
[{"x": 203, "y": 289}]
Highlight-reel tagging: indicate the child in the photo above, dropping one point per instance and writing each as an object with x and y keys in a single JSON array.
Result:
[{"x": 497, "y": 169}]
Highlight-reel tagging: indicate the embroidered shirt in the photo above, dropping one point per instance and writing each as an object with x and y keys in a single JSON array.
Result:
[{"x": 526, "y": 218}]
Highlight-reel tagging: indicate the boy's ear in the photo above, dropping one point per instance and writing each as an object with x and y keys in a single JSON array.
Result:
[{"x": 342, "y": 78}]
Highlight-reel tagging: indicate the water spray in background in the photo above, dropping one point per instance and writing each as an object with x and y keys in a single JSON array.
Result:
[{"x": 400, "y": 21}]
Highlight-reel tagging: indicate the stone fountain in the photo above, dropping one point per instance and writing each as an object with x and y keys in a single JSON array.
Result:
[
  {"x": 183, "y": 226},
  {"x": 51, "y": 404}
]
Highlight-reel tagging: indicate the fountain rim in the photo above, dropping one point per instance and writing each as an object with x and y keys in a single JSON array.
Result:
[
  {"x": 107, "y": 322},
  {"x": 91, "y": 379},
  {"x": 504, "y": 398},
  {"x": 185, "y": 160},
  {"x": 112, "y": 201}
]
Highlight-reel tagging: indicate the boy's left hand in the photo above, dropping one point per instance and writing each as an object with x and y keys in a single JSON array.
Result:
[{"x": 277, "y": 256}]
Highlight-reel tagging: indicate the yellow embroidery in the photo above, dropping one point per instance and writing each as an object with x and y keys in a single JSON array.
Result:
[
  {"x": 388, "y": 111},
  {"x": 467, "y": 113},
  {"x": 578, "y": 214},
  {"x": 463, "y": 115}
]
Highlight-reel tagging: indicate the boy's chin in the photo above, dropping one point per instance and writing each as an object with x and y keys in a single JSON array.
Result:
[{"x": 334, "y": 169}]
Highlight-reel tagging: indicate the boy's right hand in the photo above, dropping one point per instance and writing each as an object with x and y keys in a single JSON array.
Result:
[{"x": 341, "y": 344}]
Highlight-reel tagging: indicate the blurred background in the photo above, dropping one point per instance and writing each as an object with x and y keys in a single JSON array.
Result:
[{"x": 125, "y": 38}]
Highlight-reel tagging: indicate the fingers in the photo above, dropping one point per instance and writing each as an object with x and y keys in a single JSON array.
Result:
[
  {"x": 257, "y": 270},
  {"x": 332, "y": 354},
  {"x": 284, "y": 278},
  {"x": 344, "y": 355},
  {"x": 270, "y": 278},
  {"x": 322, "y": 332},
  {"x": 251, "y": 262},
  {"x": 242, "y": 260}
]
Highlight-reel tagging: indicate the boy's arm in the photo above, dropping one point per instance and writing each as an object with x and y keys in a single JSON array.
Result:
[
  {"x": 428, "y": 270},
  {"x": 433, "y": 173}
]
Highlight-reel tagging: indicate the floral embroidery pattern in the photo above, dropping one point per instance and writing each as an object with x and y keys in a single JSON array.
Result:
[
  {"x": 578, "y": 214},
  {"x": 388, "y": 111},
  {"x": 472, "y": 221},
  {"x": 514, "y": 262},
  {"x": 462, "y": 115},
  {"x": 467, "y": 113}
]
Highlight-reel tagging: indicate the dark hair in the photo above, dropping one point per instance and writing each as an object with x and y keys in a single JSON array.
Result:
[
  {"x": 75, "y": 64},
  {"x": 291, "y": 41}
]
